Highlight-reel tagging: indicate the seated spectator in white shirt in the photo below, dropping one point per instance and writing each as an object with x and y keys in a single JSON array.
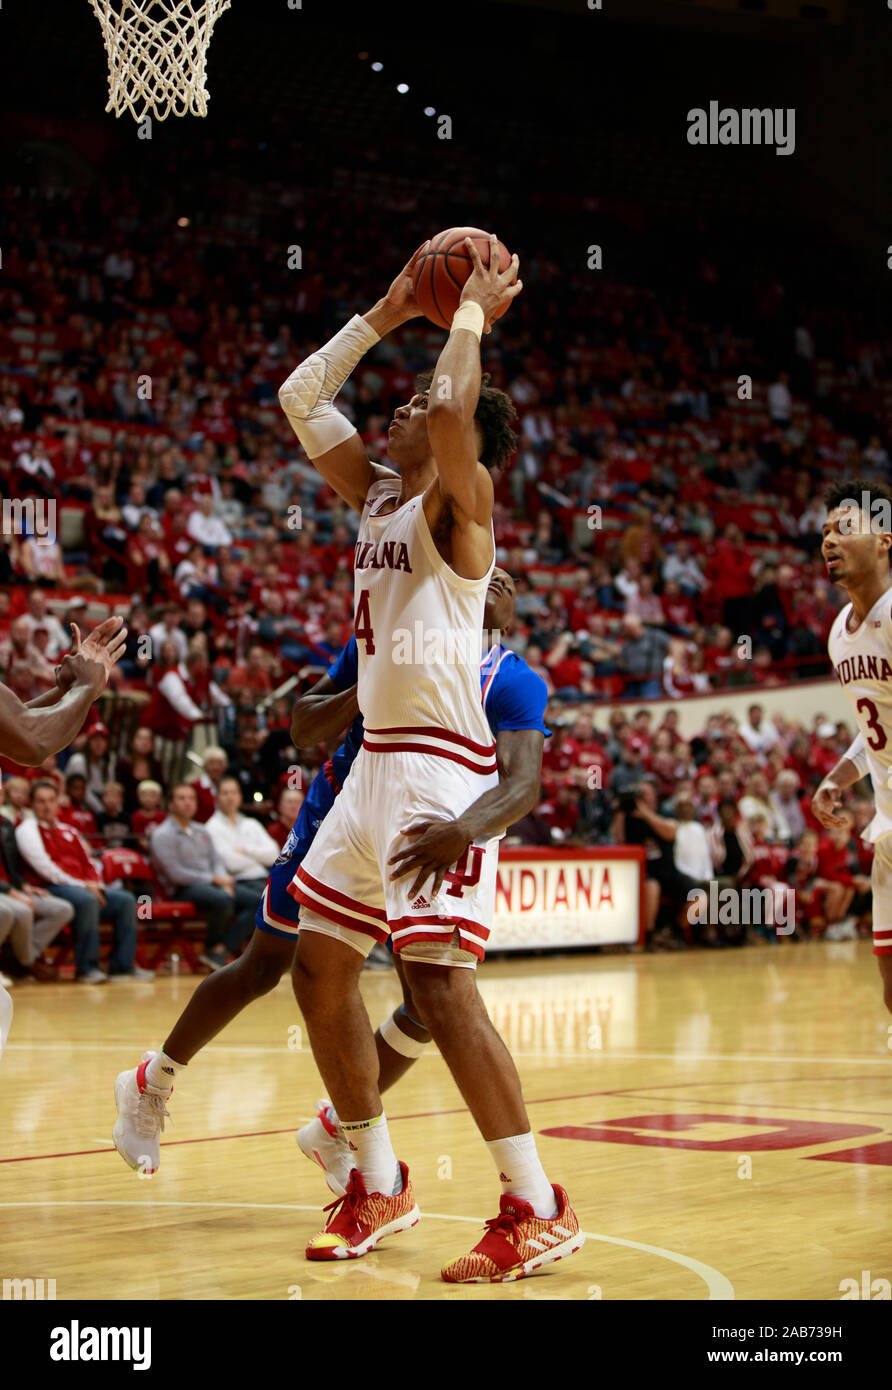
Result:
[
  {"x": 780, "y": 402},
  {"x": 195, "y": 573},
  {"x": 683, "y": 568},
  {"x": 169, "y": 630},
  {"x": 246, "y": 848},
  {"x": 757, "y": 732},
  {"x": 135, "y": 508},
  {"x": 785, "y": 801},
  {"x": 690, "y": 848},
  {"x": 206, "y": 528},
  {"x": 757, "y": 802},
  {"x": 38, "y": 615}
]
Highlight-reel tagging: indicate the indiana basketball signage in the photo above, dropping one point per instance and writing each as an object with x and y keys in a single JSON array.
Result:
[{"x": 568, "y": 898}]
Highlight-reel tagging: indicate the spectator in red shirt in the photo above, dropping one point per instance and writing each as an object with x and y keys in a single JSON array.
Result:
[
  {"x": 677, "y": 608},
  {"x": 74, "y": 810},
  {"x": 824, "y": 752},
  {"x": 61, "y": 862},
  {"x": 836, "y": 878},
  {"x": 561, "y": 754},
  {"x": 287, "y": 811},
  {"x": 728, "y": 571},
  {"x": 214, "y": 762},
  {"x": 767, "y": 865},
  {"x": 252, "y": 675},
  {"x": 150, "y": 813},
  {"x": 561, "y": 812}
]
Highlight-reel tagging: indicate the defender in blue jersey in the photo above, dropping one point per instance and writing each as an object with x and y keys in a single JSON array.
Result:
[{"x": 514, "y": 700}]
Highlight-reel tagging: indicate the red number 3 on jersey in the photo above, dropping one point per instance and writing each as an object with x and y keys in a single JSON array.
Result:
[
  {"x": 877, "y": 738},
  {"x": 362, "y": 623}
]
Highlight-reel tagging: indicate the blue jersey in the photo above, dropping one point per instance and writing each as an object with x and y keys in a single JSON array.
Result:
[{"x": 513, "y": 696}]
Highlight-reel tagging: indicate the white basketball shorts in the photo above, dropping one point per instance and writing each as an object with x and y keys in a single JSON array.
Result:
[{"x": 344, "y": 885}]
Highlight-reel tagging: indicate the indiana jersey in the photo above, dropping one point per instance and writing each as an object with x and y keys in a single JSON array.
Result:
[
  {"x": 511, "y": 694},
  {"x": 418, "y": 631},
  {"x": 863, "y": 663}
]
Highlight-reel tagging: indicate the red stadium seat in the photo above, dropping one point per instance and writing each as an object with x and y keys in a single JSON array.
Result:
[{"x": 135, "y": 869}]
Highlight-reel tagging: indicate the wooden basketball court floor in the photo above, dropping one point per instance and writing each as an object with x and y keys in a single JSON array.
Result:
[{"x": 722, "y": 1120}]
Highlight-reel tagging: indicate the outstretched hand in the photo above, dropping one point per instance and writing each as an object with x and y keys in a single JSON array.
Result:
[{"x": 90, "y": 661}]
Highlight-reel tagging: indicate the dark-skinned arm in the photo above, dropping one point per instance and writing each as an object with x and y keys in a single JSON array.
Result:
[
  {"x": 52, "y": 696},
  {"x": 31, "y": 733},
  {"x": 438, "y": 844},
  {"x": 322, "y": 713}
]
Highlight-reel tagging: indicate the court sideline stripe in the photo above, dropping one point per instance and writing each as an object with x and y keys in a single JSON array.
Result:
[{"x": 391, "y": 1119}]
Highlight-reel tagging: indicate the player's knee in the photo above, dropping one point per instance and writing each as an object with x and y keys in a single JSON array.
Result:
[
  {"x": 262, "y": 973},
  {"x": 321, "y": 972},
  {"x": 440, "y": 997}
]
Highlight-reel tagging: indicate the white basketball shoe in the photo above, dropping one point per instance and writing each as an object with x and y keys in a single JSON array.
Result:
[
  {"x": 323, "y": 1142},
  {"x": 142, "y": 1110}
]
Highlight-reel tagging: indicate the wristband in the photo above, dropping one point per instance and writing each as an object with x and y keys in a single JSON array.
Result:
[{"x": 470, "y": 316}]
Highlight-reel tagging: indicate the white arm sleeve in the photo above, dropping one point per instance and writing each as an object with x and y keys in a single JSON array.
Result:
[
  {"x": 306, "y": 397},
  {"x": 857, "y": 754}
]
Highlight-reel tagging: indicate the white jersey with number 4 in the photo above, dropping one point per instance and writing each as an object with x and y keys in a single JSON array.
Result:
[
  {"x": 418, "y": 629},
  {"x": 863, "y": 663}
]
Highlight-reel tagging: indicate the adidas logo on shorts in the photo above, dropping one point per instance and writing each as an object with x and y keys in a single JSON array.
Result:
[{"x": 420, "y": 901}]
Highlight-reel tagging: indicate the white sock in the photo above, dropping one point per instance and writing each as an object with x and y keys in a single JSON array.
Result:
[
  {"x": 375, "y": 1159},
  {"x": 160, "y": 1072},
  {"x": 522, "y": 1175}
]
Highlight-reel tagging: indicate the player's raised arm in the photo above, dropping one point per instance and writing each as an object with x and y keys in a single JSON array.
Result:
[
  {"x": 455, "y": 388},
  {"x": 331, "y": 442}
]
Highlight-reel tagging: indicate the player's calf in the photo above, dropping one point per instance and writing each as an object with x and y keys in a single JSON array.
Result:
[{"x": 885, "y": 965}]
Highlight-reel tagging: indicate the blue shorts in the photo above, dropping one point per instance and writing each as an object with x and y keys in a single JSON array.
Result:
[{"x": 277, "y": 910}]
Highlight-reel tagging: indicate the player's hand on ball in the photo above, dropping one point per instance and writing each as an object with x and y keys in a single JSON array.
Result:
[
  {"x": 826, "y": 804},
  {"x": 436, "y": 846},
  {"x": 489, "y": 287},
  {"x": 401, "y": 295}
]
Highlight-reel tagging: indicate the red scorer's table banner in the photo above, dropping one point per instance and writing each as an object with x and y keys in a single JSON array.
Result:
[{"x": 568, "y": 897}]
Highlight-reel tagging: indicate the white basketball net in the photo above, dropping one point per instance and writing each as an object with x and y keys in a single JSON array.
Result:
[{"x": 156, "y": 54}]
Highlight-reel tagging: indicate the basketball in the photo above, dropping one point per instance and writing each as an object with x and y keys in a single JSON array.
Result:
[{"x": 443, "y": 267}]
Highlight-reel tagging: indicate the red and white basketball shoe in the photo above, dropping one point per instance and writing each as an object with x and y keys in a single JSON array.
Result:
[
  {"x": 323, "y": 1142},
  {"x": 360, "y": 1219},
  {"x": 142, "y": 1110},
  {"x": 517, "y": 1242}
]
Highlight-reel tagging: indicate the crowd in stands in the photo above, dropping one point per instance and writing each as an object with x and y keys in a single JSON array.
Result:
[{"x": 661, "y": 518}]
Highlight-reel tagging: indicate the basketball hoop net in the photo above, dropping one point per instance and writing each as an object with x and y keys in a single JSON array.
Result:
[{"x": 156, "y": 54}]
